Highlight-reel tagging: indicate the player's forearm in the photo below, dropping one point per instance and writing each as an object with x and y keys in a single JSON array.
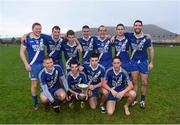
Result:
[
  {"x": 25, "y": 36},
  {"x": 151, "y": 55},
  {"x": 129, "y": 87},
  {"x": 65, "y": 84},
  {"x": 104, "y": 85},
  {"x": 98, "y": 85},
  {"x": 73, "y": 92},
  {"x": 23, "y": 56},
  {"x": 47, "y": 93}
]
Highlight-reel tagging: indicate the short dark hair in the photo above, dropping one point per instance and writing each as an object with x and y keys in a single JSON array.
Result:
[
  {"x": 138, "y": 21},
  {"x": 35, "y": 24},
  {"x": 56, "y": 27},
  {"x": 70, "y": 32},
  {"x": 73, "y": 62},
  {"x": 101, "y": 26},
  {"x": 116, "y": 57},
  {"x": 120, "y": 24},
  {"x": 94, "y": 55},
  {"x": 85, "y": 27}
]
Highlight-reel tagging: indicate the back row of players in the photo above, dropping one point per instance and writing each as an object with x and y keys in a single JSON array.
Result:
[{"x": 104, "y": 73}]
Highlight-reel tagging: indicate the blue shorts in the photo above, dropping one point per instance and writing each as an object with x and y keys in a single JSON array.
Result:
[
  {"x": 141, "y": 66},
  {"x": 95, "y": 92},
  {"x": 126, "y": 66},
  {"x": 54, "y": 89},
  {"x": 35, "y": 69},
  {"x": 111, "y": 97}
]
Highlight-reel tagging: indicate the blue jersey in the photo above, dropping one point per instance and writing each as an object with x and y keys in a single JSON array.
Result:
[
  {"x": 73, "y": 81},
  {"x": 94, "y": 75},
  {"x": 88, "y": 46},
  {"x": 139, "y": 47},
  {"x": 117, "y": 80},
  {"x": 35, "y": 49},
  {"x": 51, "y": 79},
  {"x": 70, "y": 52},
  {"x": 105, "y": 50},
  {"x": 121, "y": 49},
  {"x": 54, "y": 48}
]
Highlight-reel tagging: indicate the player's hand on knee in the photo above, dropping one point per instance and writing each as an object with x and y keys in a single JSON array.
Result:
[
  {"x": 120, "y": 94},
  {"x": 114, "y": 93}
]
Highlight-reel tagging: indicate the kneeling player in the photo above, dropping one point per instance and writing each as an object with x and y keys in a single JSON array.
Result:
[
  {"x": 53, "y": 82},
  {"x": 74, "y": 77},
  {"x": 115, "y": 82}
]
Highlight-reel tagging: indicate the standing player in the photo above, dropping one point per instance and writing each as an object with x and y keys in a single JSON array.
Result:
[
  {"x": 139, "y": 59},
  {"x": 34, "y": 45},
  {"x": 74, "y": 77},
  {"x": 53, "y": 82},
  {"x": 54, "y": 45},
  {"x": 122, "y": 45},
  {"x": 118, "y": 84},
  {"x": 95, "y": 74},
  {"x": 71, "y": 49},
  {"x": 103, "y": 45},
  {"x": 88, "y": 44}
]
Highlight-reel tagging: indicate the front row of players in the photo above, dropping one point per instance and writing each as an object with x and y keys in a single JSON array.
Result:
[{"x": 112, "y": 85}]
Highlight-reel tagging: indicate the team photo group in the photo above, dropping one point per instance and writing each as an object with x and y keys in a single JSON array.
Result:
[{"x": 96, "y": 70}]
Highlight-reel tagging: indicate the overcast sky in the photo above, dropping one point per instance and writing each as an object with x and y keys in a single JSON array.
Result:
[{"x": 17, "y": 16}]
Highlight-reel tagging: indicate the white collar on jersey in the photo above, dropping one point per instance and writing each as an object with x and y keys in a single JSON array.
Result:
[
  {"x": 142, "y": 35},
  {"x": 94, "y": 68},
  {"x": 116, "y": 72},
  {"x": 120, "y": 38},
  {"x": 86, "y": 39},
  {"x": 102, "y": 40},
  {"x": 49, "y": 72},
  {"x": 74, "y": 77},
  {"x": 55, "y": 40},
  {"x": 74, "y": 44},
  {"x": 35, "y": 37}
]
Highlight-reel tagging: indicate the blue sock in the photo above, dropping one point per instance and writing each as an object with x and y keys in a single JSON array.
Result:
[
  {"x": 142, "y": 97},
  {"x": 35, "y": 100}
]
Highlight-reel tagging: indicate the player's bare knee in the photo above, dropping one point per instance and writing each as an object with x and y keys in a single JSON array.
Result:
[
  {"x": 43, "y": 98},
  {"x": 144, "y": 84},
  {"x": 132, "y": 94},
  {"x": 135, "y": 81},
  {"x": 105, "y": 92}
]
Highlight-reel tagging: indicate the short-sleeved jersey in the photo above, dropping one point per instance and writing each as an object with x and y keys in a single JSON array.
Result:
[
  {"x": 120, "y": 79},
  {"x": 94, "y": 75},
  {"x": 139, "y": 47},
  {"x": 122, "y": 48},
  {"x": 35, "y": 49},
  {"x": 54, "y": 48},
  {"x": 105, "y": 52},
  {"x": 88, "y": 46},
  {"x": 70, "y": 52},
  {"x": 51, "y": 79},
  {"x": 73, "y": 81}
]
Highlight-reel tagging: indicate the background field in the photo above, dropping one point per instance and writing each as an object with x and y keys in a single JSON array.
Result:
[{"x": 163, "y": 98}]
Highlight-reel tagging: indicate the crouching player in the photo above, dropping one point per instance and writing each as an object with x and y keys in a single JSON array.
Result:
[
  {"x": 53, "y": 83},
  {"x": 117, "y": 82},
  {"x": 95, "y": 74},
  {"x": 75, "y": 77}
]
